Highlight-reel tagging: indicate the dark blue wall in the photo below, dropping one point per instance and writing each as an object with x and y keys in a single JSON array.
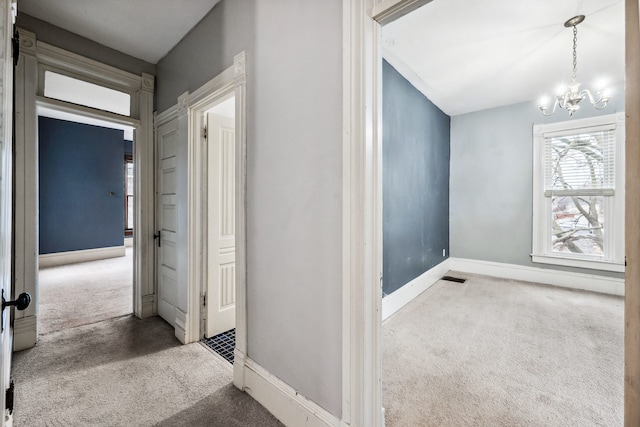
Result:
[
  {"x": 415, "y": 183},
  {"x": 79, "y": 165},
  {"x": 128, "y": 147}
]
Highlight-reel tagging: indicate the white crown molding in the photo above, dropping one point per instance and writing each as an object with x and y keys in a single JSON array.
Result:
[{"x": 389, "y": 10}]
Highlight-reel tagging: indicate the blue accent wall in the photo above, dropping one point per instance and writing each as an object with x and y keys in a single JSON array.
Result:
[
  {"x": 128, "y": 147},
  {"x": 415, "y": 181},
  {"x": 78, "y": 166}
]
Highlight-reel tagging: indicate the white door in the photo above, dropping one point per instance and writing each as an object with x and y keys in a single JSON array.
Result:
[
  {"x": 221, "y": 241},
  {"x": 166, "y": 151},
  {"x": 6, "y": 96}
]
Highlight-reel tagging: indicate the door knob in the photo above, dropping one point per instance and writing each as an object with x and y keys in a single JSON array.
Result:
[{"x": 21, "y": 303}]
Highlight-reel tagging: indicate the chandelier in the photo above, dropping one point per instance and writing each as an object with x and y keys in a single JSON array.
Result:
[{"x": 570, "y": 100}]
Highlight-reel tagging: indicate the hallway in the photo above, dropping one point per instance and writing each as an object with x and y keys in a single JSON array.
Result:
[
  {"x": 127, "y": 372},
  {"x": 84, "y": 293}
]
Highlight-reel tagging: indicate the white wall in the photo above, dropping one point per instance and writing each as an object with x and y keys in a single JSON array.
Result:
[
  {"x": 294, "y": 204},
  {"x": 294, "y": 176},
  {"x": 491, "y": 187}
]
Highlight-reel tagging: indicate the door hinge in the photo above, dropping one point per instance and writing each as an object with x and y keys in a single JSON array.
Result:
[
  {"x": 204, "y": 300},
  {"x": 15, "y": 44},
  {"x": 9, "y": 397},
  {"x": 204, "y": 132}
]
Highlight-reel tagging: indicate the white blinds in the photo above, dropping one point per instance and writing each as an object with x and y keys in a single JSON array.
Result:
[{"x": 580, "y": 163}]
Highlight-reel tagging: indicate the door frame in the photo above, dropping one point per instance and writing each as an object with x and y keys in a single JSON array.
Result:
[
  {"x": 190, "y": 112},
  {"x": 37, "y": 57},
  {"x": 7, "y": 19},
  {"x": 362, "y": 208}
]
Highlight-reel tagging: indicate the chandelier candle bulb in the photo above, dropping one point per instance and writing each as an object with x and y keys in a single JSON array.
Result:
[{"x": 570, "y": 100}]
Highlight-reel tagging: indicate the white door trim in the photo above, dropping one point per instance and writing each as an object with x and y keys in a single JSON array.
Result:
[
  {"x": 362, "y": 207},
  {"x": 361, "y": 309},
  {"x": 35, "y": 58},
  {"x": 230, "y": 81}
]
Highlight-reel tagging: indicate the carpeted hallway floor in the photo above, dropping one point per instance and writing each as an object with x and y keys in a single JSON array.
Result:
[
  {"x": 494, "y": 352},
  {"x": 84, "y": 293},
  {"x": 128, "y": 372}
]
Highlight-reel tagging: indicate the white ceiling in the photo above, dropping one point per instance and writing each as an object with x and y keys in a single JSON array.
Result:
[
  {"x": 500, "y": 52},
  {"x": 145, "y": 29},
  {"x": 225, "y": 108}
]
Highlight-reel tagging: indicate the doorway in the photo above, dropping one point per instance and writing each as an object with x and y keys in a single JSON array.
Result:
[
  {"x": 220, "y": 295},
  {"x": 470, "y": 157},
  {"x": 38, "y": 66},
  {"x": 85, "y": 224}
]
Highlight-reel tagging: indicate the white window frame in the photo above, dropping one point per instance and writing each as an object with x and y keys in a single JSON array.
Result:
[{"x": 613, "y": 258}]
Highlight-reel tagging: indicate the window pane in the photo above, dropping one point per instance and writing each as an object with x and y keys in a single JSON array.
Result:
[
  {"x": 129, "y": 178},
  {"x": 577, "y": 224},
  {"x": 583, "y": 161},
  {"x": 79, "y": 92},
  {"x": 130, "y": 212}
]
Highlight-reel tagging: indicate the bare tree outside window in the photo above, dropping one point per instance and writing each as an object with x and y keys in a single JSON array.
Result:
[{"x": 579, "y": 179}]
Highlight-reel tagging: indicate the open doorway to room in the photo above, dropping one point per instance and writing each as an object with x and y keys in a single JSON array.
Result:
[
  {"x": 459, "y": 107},
  {"x": 85, "y": 215},
  {"x": 220, "y": 295}
]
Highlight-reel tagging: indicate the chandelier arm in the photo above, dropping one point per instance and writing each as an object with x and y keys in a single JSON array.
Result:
[
  {"x": 563, "y": 100},
  {"x": 599, "y": 102},
  {"x": 544, "y": 108}
]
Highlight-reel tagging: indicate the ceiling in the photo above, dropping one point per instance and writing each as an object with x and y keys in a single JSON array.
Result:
[
  {"x": 464, "y": 56},
  {"x": 145, "y": 29},
  {"x": 473, "y": 55}
]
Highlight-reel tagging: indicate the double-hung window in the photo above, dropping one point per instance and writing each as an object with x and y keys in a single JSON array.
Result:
[{"x": 578, "y": 197}]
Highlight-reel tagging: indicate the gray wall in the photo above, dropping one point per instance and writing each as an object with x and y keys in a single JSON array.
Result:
[
  {"x": 492, "y": 181},
  {"x": 207, "y": 50},
  {"x": 294, "y": 176},
  {"x": 78, "y": 166},
  {"x": 415, "y": 182},
  {"x": 67, "y": 40}
]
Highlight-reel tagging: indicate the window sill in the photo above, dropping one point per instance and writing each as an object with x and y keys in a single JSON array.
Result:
[{"x": 579, "y": 263}]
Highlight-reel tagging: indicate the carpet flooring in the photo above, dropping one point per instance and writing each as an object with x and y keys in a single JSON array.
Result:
[
  {"x": 493, "y": 352},
  {"x": 128, "y": 372},
  {"x": 84, "y": 293}
]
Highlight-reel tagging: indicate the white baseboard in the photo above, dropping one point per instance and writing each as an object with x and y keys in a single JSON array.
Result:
[
  {"x": 403, "y": 296},
  {"x": 25, "y": 332},
  {"x": 181, "y": 326},
  {"x": 565, "y": 279},
  {"x": 148, "y": 306},
  {"x": 287, "y": 405},
  {"x": 128, "y": 242},
  {"x": 72, "y": 257}
]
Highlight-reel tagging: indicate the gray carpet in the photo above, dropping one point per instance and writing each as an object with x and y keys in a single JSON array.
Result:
[
  {"x": 84, "y": 293},
  {"x": 128, "y": 372},
  {"x": 494, "y": 352}
]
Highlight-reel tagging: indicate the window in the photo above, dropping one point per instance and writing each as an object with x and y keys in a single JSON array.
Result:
[
  {"x": 578, "y": 200},
  {"x": 128, "y": 195},
  {"x": 79, "y": 92}
]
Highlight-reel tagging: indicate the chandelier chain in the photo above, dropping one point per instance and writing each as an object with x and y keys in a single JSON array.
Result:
[{"x": 575, "y": 55}]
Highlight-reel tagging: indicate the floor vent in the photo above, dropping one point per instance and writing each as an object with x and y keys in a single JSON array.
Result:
[
  {"x": 223, "y": 344},
  {"x": 453, "y": 279}
]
